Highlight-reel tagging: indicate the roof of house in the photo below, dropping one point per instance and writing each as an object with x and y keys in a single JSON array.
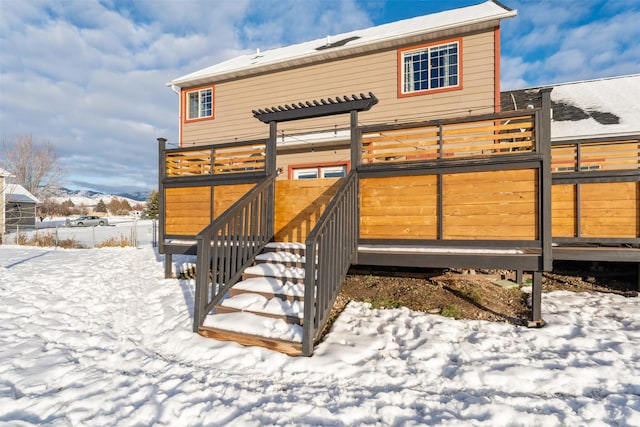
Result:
[
  {"x": 447, "y": 23},
  {"x": 4, "y": 173},
  {"x": 586, "y": 109},
  {"x": 16, "y": 193}
]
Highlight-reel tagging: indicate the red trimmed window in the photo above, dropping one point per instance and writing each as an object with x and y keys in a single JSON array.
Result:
[
  {"x": 430, "y": 68},
  {"x": 199, "y": 103}
]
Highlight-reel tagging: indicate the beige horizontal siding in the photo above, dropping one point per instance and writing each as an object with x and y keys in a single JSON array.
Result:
[{"x": 377, "y": 73}]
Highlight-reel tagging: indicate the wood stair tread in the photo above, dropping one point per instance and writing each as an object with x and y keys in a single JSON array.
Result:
[
  {"x": 275, "y": 270},
  {"x": 266, "y": 308},
  {"x": 285, "y": 245},
  {"x": 270, "y": 287},
  {"x": 291, "y": 247},
  {"x": 290, "y": 348},
  {"x": 291, "y": 311},
  {"x": 281, "y": 257},
  {"x": 254, "y": 324}
]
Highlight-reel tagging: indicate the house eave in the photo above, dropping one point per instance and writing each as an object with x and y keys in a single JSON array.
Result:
[{"x": 351, "y": 49}]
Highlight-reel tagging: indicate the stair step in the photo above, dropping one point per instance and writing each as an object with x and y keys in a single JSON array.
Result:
[
  {"x": 288, "y": 259},
  {"x": 292, "y": 247},
  {"x": 269, "y": 287},
  {"x": 289, "y": 311},
  {"x": 278, "y": 271},
  {"x": 250, "y": 329}
]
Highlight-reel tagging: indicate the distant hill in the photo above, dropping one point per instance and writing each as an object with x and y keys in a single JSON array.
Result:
[
  {"x": 140, "y": 196},
  {"x": 91, "y": 198}
]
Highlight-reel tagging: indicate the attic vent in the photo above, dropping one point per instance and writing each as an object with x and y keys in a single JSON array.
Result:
[{"x": 339, "y": 43}]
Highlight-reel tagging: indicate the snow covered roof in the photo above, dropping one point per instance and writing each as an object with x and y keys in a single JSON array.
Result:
[
  {"x": 16, "y": 193},
  {"x": 605, "y": 107},
  {"x": 446, "y": 23},
  {"x": 5, "y": 173}
]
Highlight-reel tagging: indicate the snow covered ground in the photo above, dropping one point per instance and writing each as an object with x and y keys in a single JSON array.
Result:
[{"x": 98, "y": 337}]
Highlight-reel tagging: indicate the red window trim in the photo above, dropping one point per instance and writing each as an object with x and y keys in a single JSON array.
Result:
[
  {"x": 430, "y": 91},
  {"x": 291, "y": 168},
  {"x": 183, "y": 102}
]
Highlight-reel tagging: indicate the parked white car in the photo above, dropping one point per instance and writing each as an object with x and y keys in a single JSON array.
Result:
[{"x": 86, "y": 221}]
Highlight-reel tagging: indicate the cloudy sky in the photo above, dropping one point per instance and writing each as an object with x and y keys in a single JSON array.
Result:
[{"x": 89, "y": 75}]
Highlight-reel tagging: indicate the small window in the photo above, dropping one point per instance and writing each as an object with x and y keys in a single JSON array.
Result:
[
  {"x": 429, "y": 68},
  {"x": 319, "y": 171},
  {"x": 199, "y": 104},
  {"x": 305, "y": 173}
]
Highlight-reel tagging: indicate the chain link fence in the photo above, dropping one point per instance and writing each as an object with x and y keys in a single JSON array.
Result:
[{"x": 120, "y": 232}]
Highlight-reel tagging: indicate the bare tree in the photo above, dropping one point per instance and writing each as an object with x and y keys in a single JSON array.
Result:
[{"x": 35, "y": 166}]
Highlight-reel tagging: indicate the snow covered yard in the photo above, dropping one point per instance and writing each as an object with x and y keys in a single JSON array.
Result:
[{"x": 99, "y": 337}]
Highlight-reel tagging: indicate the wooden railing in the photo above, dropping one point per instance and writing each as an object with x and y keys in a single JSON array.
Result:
[
  {"x": 330, "y": 249},
  {"x": 596, "y": 191},
  {"x": 591, "y": 156},
  {"x": 506, "y": 134},
  {"x": 215, "y": 159},
  {"x": 229, "y": 244}
]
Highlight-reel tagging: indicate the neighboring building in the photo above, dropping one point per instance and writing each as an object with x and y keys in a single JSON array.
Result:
[
  {"x": 429, "y": 67},
  {"x": 20, "y": 207},
  {"x": 3, "y": 175}
]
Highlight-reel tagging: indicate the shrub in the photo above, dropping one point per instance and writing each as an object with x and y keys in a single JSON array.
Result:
[
  {"x": 453, "y": 311},
  {"x": 49, "y": 240},
  {"x": 385, "y": 302},
  {"x": 121, "y": 241}
]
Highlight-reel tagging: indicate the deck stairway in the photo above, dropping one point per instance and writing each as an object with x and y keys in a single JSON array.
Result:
[{"x": 265, "y": 308}]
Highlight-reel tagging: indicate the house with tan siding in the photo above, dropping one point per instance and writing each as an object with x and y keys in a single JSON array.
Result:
[
  {"x": 381, "y": 146},
  {"x": 434, "y": 66}
]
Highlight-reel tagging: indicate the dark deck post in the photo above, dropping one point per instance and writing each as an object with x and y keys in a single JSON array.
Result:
[
  {"x": 162, "y": 174},
  {"x": 270, "y": 169},
  {"x": 356, "y": 159},
  {"x": 356, "y": 151},
  {"x": 544, "y": 147}
]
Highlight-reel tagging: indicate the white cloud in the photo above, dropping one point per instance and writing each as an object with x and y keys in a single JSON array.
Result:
[
  {"x": 90, "y": 75},
  {"x": 551, "y": 42}
]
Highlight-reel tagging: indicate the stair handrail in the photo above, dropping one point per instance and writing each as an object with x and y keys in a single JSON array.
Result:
[
  {"x": 331, "y": 247},
  {"x": 230, "y": 244}
]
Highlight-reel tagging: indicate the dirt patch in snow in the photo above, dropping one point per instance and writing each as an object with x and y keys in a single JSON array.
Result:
[{"x": 481, "y": 295}]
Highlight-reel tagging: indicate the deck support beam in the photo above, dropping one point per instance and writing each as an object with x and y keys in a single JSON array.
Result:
[
  {"x": 536, "y": 301},
  {"x": 168, "y": 266}
]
